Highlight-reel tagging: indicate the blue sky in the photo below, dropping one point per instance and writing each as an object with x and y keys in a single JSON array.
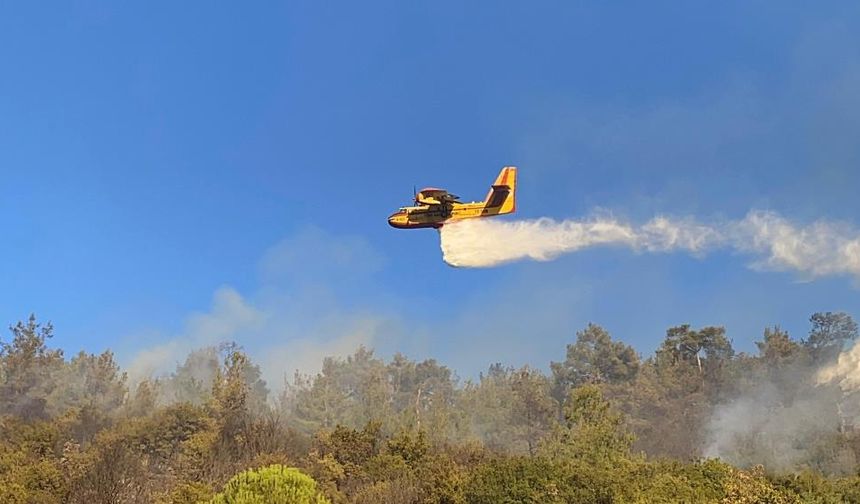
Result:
[{"x": 175, "y": 173}]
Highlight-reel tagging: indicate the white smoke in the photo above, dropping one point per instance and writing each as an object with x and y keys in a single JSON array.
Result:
[
  {"x": 229, "y": 316},
  {"x": 845, "y": 372},
  {"x": 287, "y": 323},
  {"x": 818, "y": 249},
  {"x": 779, "y": 426}
]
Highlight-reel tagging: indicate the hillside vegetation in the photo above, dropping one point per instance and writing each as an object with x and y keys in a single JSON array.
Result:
[{"x": 694, "y": 422}]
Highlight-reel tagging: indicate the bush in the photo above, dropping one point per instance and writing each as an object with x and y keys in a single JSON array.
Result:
[
  {"x": 519, "y": 479},
  {"x": 274, "y": 484}
]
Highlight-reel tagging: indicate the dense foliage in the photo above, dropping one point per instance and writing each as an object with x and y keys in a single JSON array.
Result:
[
  {"x": 274, "y": 484},
  {"x": 695, "y": 422}
]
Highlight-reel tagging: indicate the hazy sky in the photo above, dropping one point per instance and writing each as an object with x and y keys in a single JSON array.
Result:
[{"x": 179, "y": 173}]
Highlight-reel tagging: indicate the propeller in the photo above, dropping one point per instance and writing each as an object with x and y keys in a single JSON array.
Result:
[{"x": 414, "y": 194}]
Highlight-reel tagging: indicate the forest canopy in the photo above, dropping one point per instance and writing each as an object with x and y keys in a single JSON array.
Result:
[{"x": 696, "y": 421}]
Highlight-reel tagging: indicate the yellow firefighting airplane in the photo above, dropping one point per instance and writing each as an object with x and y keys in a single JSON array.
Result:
[{"x": 435, "y": 207}]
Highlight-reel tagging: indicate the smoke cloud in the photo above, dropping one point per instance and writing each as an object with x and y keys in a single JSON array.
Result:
[
  {"x": 792, "y": 416},
  {"x": 229, "y": 315},
  {"x": 819, "y": 249},
  {"x": 845, "y": 372},
  {"x": 296, "y": 315},
  {"x": 781, "y": 423}
]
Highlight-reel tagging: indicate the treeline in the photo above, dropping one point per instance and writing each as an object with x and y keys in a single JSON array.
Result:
[{"x": 604, "y": 425}]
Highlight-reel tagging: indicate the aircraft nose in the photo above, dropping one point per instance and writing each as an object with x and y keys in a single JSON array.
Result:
[{"x": 397, "y": 219}]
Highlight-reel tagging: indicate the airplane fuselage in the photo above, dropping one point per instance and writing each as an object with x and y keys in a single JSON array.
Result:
[{"x": 416, "y": 217}]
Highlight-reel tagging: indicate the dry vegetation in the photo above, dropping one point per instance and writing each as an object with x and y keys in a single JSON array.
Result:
[{"x": 603, "y": 426}]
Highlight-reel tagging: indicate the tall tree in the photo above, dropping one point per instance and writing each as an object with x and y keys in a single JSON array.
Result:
[
  {"x": 697, "y": 358},
  {"x": 594, "y": 358},
  {"x": 423, "y": 397},
  {"x": 349, "y": 391},
  {"x": 27, "y": 370},
  {"x": 675, "y": 390},
  {"x": 402, "y": 394},
  {"x": 776, "y": 346},
  {"x": 510, "y": 410},
  {"x": 192, "y": 380},
  {"x": 534, "y": 408},
  {"x": 829, "y": 333},
  {"x": 89, "y": 380},
  {"x": 592, "y": 432}
]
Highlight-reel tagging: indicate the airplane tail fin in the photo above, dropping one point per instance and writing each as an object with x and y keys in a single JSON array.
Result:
[{"x": 502, "y": 195}]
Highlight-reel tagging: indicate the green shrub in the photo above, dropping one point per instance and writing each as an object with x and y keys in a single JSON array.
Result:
[{"x": 274, "y": 484}]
